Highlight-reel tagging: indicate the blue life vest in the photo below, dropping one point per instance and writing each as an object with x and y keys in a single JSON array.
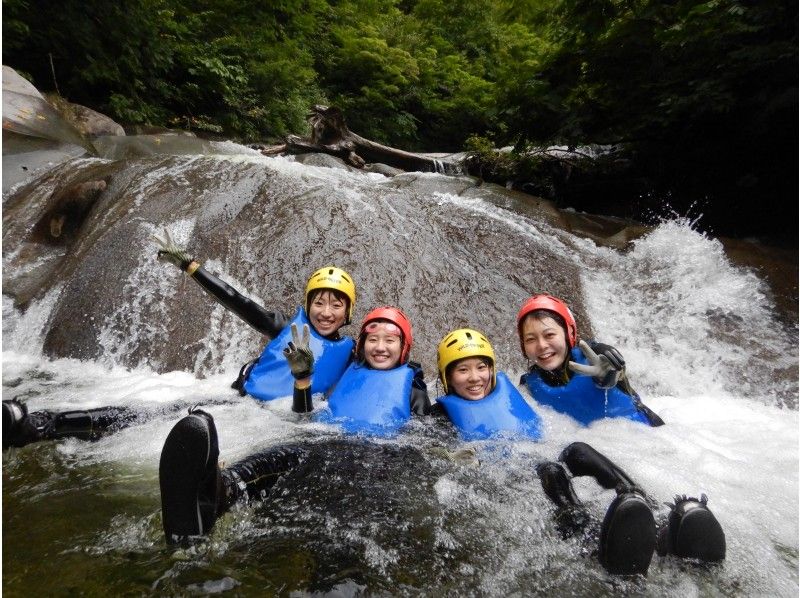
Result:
[
  {"x": 271, "y": 378},
  {"x": 369, "y": 401},
  {"x": 581, "y": 399},
  {"x": 504, "y": 411}
]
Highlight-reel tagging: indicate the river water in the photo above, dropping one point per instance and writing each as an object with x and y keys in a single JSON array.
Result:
[{"x": 704, "y": 344}]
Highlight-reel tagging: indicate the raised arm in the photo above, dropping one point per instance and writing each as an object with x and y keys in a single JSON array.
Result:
[{"x": 266, "y": 322}]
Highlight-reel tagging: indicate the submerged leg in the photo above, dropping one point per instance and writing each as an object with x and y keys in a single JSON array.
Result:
[
  {"x": 628, "y": 532},
  {"x": 582, "y": 459},
  {"x": 91, "y": 424},
  {"x": 557, "y": 486},
  {"x": 21, "y": 428},
  {"x": 692, "y": 532},
  {"x": 253, "y": 477},
  {"x": 195, "y": 491},
  {"x": 627, "y": 536},
  {"x": 571, "y": 515}
]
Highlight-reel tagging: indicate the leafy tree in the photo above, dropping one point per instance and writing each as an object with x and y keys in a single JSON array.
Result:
[
  {"x": 700, "y": 95},
  {"x": 696, "y": 90},
  {"x": 215, "y": 64}
]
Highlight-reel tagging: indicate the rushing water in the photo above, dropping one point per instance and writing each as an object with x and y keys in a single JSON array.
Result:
[{"x": 703, "y": 344}]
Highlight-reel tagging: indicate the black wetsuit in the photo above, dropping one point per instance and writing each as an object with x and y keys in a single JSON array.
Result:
[
  {"x": 628, "y": 535},
  {"x": 256, "y": 474},
  {"x": 266, "y": 322},
  {"x": 21, "y": 428}
]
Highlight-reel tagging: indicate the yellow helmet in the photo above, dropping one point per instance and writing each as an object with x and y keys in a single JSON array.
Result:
[
  {"x": 335, "y": 279},
  {"x": 460, "y": 344}
]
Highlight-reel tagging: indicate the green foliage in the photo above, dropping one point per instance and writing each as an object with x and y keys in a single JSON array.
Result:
[
  {"x": 539, "y": 172},
  {"x": 694, "y": 90},
  {"x": 216, "y": 65},
  {"x": 487, "y": 162}
]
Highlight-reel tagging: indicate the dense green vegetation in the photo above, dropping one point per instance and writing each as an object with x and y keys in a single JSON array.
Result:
[{"x": 701, "y": 95}]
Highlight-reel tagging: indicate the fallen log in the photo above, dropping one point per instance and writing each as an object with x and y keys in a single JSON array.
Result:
[{"x": 330, "y": 135}]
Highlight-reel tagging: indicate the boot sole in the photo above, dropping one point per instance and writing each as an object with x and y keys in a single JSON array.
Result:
[
  {"x": 628, "y": 536},
  {"x": 13, "y": 416},
  {"x": 700, "y": 536},
  {"x": 188, "y": 452}
]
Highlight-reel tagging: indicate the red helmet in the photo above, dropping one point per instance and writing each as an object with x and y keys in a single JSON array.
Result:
[
  {"x": 553, "y": 304},
  {"x": 395, "y": 316}
]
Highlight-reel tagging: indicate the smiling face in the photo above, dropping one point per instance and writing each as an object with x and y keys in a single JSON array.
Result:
[
  {"x": 327, "y": 312},
  {"x": 545, "y": 342},
  {"x": 383, "y": 344},
  {"x": 470, "y": 378}
]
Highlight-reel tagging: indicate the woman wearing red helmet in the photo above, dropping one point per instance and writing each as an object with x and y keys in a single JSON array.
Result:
[
  {"x": 380, "y": 389},
  {"x": 376, "y": 395},
  {"x": 548, "y": 337}
]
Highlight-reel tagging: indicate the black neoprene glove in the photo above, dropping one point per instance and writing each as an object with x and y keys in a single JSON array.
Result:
[
  {"x": 299, "y": 355},
  {"x": 171, "y": 253},
  {"x": 606, "y": 364}
]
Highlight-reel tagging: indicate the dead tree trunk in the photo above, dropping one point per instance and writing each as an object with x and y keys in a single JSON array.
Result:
[{"x": 330, "y": 135}]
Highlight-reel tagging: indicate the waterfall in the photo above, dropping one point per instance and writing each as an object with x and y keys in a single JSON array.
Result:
[{"x": 96, "y": 320}]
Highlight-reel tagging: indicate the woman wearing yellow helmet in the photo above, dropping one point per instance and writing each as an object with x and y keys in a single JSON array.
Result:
[
  {"x": 329, "y": 299},
  {"x": 480, "y": 401},
  {"x": 330, "y": 296}
]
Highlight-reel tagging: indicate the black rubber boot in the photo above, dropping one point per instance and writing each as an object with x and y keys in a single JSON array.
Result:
[
  {"x": 582, "y": 459},
  {"x": 692, "y": 532},
  {"x": 21, "y": 428},
  {"x": 627, "y": 536},
  {"x": 189, "y": 477}
]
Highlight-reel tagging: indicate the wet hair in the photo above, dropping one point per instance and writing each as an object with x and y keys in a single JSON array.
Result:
[{"x": 541, "y": 314}]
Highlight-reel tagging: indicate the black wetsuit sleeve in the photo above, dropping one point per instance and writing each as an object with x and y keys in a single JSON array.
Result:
[
  {"x": 266, "y": 322},
  {"x": 420, "y": 401},
  {"x": 301, "y": 400},
  {"x": 301, "y": 397},
  {"x": 652, "y": 417}
]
